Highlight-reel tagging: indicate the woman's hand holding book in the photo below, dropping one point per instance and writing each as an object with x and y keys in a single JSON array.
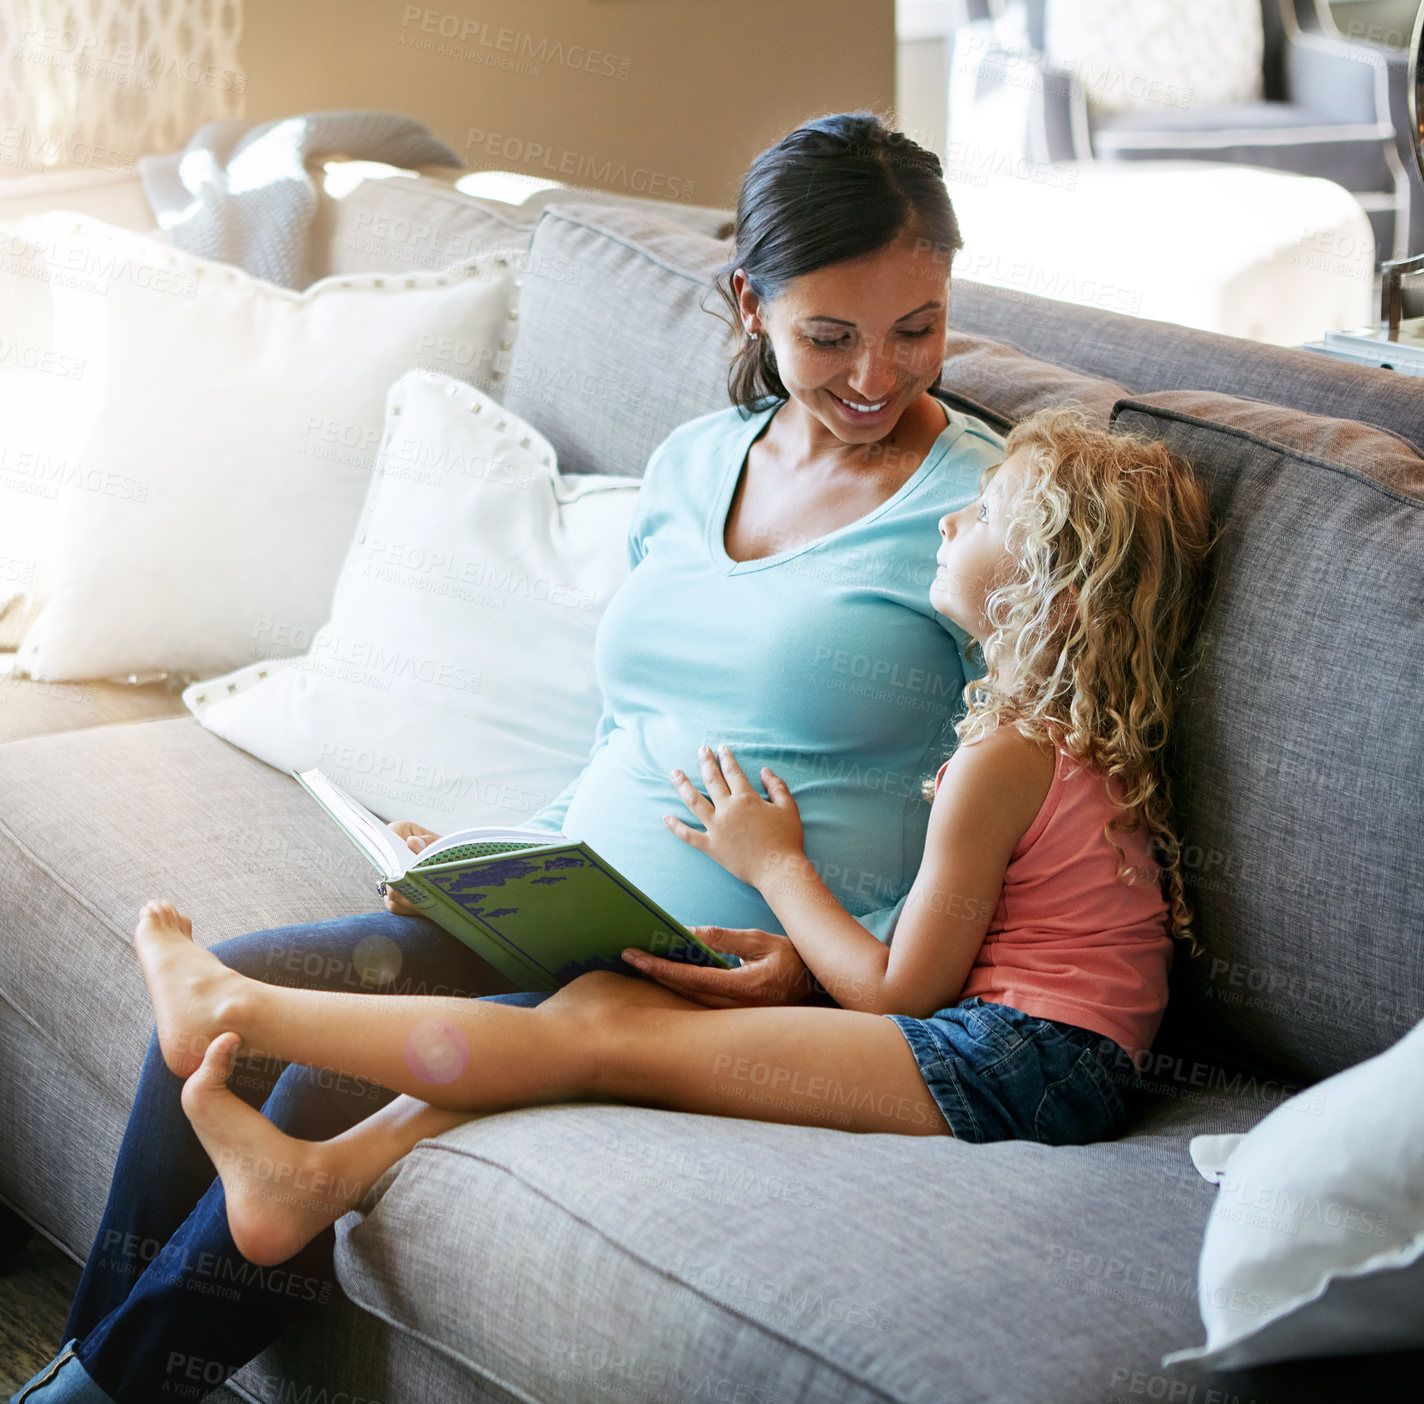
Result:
[
  {"x": 416, "y": 838},
  {"x": 770, "y": 973}
]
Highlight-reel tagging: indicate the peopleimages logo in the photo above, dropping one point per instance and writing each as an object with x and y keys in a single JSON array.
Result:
[
  {"x": 20, "y": 146},
  {"x": 589, "y": 170},
  {"x": 464, "y": 37},
  {"x": 21, "y": 356}
]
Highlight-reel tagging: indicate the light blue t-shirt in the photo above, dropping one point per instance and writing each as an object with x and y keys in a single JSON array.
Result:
[{"x": 825, "y": 662}]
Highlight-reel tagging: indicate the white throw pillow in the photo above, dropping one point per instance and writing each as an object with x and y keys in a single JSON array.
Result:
[
  {"x": 453, "y": 683},
  {"x": 38, "y": 387},
  {"x": 222, "y": 442},
  {"x": 1316, "y": 1241},
  {"x": 1141, "y": 55}
]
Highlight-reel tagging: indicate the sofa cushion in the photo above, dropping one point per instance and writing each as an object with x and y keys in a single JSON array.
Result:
[
  {"x": 403, "y": 223},
  {"x": 56, "y": 1113},
  {"x": 97, "y": 822},
  {"x": 715, "y": 221},
  {"x": 29, "y": 708},
  {"x": 1299, "y": 752},
  {"x": 1001, "y": 385},
  {"x": 344, "y": 1355},
  {"x": 723, "y": 1258}
]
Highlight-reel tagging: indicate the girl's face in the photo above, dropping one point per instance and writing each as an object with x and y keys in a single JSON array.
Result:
[
  {"x": 975, "y": 558},
  {"x": 866, "y": 331}
]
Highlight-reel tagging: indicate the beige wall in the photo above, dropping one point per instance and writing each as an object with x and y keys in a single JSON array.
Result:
[{"x": 675, "y": 96}]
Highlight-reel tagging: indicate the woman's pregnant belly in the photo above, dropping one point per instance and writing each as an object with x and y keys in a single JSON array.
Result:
[{"x": 857, "y": 823}]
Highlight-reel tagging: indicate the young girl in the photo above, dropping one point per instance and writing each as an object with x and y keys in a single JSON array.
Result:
[{"x": 1028, "y": 967}]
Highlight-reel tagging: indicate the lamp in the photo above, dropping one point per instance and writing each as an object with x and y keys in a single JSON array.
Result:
[
  {"x": 1398, "y": 343},
  {"x": 1394, "y": 272}
]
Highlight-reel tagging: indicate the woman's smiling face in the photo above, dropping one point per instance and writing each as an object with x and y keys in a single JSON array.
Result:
[{"x": 865, "y": 331}]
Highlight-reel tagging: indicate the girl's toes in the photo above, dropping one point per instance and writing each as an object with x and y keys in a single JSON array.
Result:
[
  {"x": 219, "y": 1059},
  {"x": 162, "y": 913}
]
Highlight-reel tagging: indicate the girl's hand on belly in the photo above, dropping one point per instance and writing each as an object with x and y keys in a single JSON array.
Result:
[
  {"x": 770, "y": 973},
  {"x": 748, "y": 835}
]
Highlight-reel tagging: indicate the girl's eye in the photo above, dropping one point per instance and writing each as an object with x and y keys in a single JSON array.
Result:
[
  {"x": 983, "y": 513},
  {"x": 840, "y": 340}
]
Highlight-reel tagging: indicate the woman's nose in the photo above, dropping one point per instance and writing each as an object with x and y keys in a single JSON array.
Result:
[
  {"x": 946, "y": 525},
  {"x": 876, "y": 373}
]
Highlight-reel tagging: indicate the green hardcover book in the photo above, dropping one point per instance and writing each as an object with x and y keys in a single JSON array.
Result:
[{"x": 540, "y": 907}]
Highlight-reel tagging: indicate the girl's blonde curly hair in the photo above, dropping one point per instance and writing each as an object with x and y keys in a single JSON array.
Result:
[{"x": 1090, "y": 642}]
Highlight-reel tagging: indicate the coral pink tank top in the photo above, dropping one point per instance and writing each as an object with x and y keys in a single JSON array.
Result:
[{"x": 1068, "y": 940}]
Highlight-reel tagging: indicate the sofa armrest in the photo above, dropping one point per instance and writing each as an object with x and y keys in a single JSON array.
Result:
[
  {"x": 1345, "y": 81},
  {"x": 116, "y": 197}
]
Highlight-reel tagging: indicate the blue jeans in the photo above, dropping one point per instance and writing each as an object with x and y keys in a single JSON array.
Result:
[{"x": 167, "y": 1307}]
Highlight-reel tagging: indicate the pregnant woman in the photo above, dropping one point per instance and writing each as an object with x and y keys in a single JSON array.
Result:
[{"x": 782, "y": 555}]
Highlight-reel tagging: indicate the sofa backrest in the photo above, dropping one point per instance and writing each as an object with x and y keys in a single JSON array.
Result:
[
  {"x": 1300, "y": 757},
  {"x": 1147, "y": 356},
  {"x": 422, "y": 221},
  {"x": 596, "y": 271},
  {"x": 401, "y": 223}
]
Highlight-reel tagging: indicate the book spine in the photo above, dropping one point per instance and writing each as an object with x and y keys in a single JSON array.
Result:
[{"x": 440, "y": 908}]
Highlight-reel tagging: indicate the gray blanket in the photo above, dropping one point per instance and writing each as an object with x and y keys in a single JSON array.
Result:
[{"x": 240, "y": 192}]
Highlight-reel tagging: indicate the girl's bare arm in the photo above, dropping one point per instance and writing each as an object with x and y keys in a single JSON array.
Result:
[{"x": 991, "y": 792}]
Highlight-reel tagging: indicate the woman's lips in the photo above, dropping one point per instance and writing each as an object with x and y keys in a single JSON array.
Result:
[{"x": 861, "y": 416}]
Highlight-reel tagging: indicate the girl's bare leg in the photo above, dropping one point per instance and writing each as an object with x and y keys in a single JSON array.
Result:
[{"x": 605, "y": 1036}]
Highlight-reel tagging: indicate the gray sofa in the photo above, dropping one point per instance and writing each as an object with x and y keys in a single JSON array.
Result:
[{"x": 584, "y": 1252}]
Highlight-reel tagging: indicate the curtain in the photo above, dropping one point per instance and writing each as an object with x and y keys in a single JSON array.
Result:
[{"x": 99, "y": 83}]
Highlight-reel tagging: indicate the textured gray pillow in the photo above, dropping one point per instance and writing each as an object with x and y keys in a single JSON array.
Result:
[
  {"x": 1300, "y": 750},
  {"x": 614, "y": 349},
  {"x": 1002, "y": 385}
]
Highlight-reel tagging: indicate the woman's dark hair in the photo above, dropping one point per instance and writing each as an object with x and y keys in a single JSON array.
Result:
[{"x": 835, "y": 188}]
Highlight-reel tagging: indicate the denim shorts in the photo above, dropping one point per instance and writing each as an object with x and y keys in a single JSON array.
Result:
[{"x": 998, "y": 1074}]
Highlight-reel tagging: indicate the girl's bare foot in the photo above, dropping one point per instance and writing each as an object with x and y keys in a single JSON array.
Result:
[
  {"x": 279, "y": 1192},
  {"x": 193, "y": 992}
]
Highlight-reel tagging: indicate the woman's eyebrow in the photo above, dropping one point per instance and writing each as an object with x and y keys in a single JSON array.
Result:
[{"x": 840, "y": 321}]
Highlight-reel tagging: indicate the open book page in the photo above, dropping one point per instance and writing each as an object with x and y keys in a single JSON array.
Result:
[
  {"x": 510, "y": 838},
  {"x": 385, "y": 848},
  {"x": 381, "y": 844}
]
